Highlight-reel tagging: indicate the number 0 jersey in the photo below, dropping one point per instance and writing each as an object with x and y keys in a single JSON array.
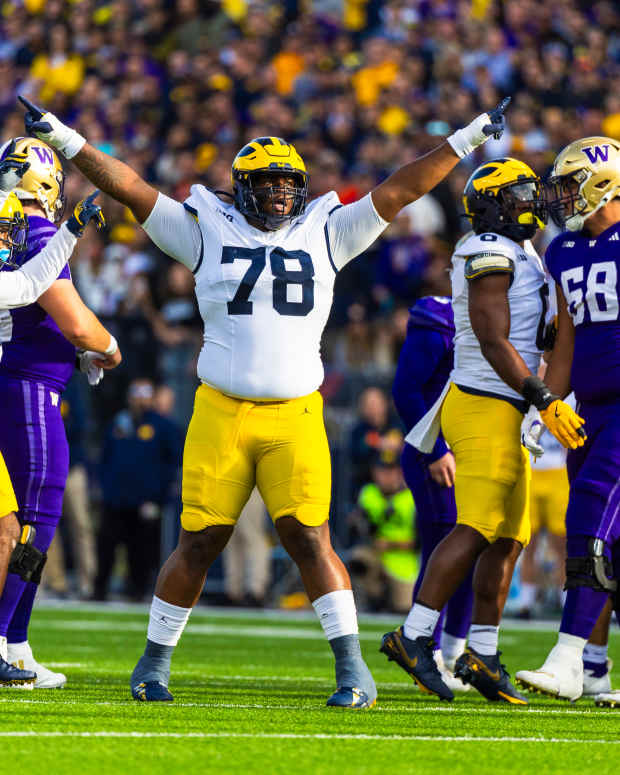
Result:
[
  {"x": 481, "y": 254},
  {"x": 264, "y": 297},
  {"x": 587, "y": 270}
]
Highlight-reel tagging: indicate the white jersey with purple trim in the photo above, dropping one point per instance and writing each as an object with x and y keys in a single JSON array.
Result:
[
  {"x": 264, "y": 296},
  {"x": 527, "y": 298}
]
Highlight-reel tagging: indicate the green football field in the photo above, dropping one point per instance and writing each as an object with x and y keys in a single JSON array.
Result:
[{"x": 249, "y": 697}]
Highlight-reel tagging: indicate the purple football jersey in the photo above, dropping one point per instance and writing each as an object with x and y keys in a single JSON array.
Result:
[
  {"x": 33, "y": 347},
  {"x": 588, "y": 271}
]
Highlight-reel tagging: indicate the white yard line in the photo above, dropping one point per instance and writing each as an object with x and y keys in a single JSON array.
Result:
[
  {"x": 491, "y": 711},
  {"x": 315, "y": 736}
]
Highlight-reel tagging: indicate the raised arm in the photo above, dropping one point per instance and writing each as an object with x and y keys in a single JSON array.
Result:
[
  {"x": 112, "y": 176},
  {"x": 420, "y": 176},
  {"x": 30, "y": 281}
]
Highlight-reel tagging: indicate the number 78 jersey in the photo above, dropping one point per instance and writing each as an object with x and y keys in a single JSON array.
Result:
[
  {"x": 587, "y": 270},
  {"x": 264, "y": 298}
]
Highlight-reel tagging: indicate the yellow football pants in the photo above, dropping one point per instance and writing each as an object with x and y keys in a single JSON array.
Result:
[
  {"x": 492, "y": 486},
  {"x": 8, "y": 502},
  {"x": 549, "y": 500},
  {"x": 233, "y": 444}
]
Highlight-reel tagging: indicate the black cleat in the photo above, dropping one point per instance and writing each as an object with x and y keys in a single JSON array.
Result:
[
  {"x": 151, "y": 691},
  {"x": 13, "y": 676},
  {"x": 488, "y": 676},
  {"x": 416, "y": 658}
]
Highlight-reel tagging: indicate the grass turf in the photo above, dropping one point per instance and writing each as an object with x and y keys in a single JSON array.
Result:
[{"x": 250, "y": 695}]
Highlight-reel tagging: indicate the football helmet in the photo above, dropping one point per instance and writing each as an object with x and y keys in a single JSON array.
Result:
[
  {"x": 263, "y": 156},
  {"x": 506, "y": 197},
  {"x": 584, "y": 178},
  {"x": 13, "y": 229},
  {"x": 44, "y": 181}
]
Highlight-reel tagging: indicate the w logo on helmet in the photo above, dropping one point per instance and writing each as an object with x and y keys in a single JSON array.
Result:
[
  {"x": 595, "y": 152},
  {"x": 45, "y": 154}
]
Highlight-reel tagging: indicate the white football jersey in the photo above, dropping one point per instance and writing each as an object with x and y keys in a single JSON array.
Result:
[
  {"x": 527, "y": 298},
  {"x": 264, "y": 298}
]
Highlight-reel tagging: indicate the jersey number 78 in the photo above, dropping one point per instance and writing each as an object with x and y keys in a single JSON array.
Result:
[{"x": 240, "y": 304}]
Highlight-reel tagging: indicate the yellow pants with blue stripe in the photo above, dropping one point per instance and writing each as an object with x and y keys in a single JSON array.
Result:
[
  {"x": 8, "y": 502},
  {"x": 492, "y": 485},
  {"x": 234, "y": 444}
]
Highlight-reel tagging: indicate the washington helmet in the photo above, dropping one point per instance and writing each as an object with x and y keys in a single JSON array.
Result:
[
  {"x": 585, "y": 177},
  {"x": 44, "y": 181}
]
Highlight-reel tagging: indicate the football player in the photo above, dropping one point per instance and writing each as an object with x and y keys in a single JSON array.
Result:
[
  {"x": 19, "y": 288},
  {"x": 584, "y": 261},
  {"x": 424, "y": 367},
  {"x": 264, "y": 264},
  {"x": 38, "y": 357},
  {"x": 498, "y": 297}
]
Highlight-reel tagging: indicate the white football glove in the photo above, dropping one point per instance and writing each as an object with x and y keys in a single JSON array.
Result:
[
  {"x": 93, "y": 373},
  {"x": 531, "y": 431},
  {"x": 51, "y": 130},
  {"x": 491, "y": 124}
]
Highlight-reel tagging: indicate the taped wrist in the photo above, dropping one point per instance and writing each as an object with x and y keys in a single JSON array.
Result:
[
  {"x": 466, "y": 140},
  {"x": 537, "y": 393}
]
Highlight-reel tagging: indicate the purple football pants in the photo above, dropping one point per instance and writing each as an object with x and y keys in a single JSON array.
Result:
[
  {"x": 593, "y": 509},
  {"x": 34, "y": 446},
  {"x": 436, "y": 516}
]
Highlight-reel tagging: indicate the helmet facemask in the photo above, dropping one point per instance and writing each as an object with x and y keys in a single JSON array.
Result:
[
  {"x": 568, "y": 204},
  {"x": 13, "y": 235},
  {"x": 516, "y": 210},
  {"x": 265, "y": 204}
]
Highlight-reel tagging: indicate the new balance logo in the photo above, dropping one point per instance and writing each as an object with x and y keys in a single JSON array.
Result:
[
  {"x": 54, "y": 398},
  {"x": 568, "y": 244},
  {"x": 614, "y": 238},
  {"x": 594, "y": 152},
  {"x": 592, "y": 243}
]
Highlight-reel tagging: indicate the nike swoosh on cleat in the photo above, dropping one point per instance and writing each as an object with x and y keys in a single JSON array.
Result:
[{"x": 513, "y": 700}]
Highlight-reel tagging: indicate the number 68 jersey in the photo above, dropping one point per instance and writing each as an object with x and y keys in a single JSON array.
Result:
[
  {"x": 264, "y": 296},
  {"x": 587, "y": 270}
]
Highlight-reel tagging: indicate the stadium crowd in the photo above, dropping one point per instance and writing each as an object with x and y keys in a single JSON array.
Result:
[{"x": 176, "y": 87}]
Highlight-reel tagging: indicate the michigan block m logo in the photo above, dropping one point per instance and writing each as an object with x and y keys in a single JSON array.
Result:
[
  {"x": 593, "y": 152},
  {"x": 45, "y": 154}
]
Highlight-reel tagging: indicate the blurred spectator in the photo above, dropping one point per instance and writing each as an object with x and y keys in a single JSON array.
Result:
[
  {"x": 376, "y": 431},
  {"x": 139, "y": 466},
  {"x": 384, "y": 561}
]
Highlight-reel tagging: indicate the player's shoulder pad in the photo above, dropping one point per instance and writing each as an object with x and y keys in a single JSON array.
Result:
[
  {"x": 203, "y": 201},
  {"x": 488, "y": 262},
  {"x": 433, "y": 312},
  {"x": 320, "y": 209}
]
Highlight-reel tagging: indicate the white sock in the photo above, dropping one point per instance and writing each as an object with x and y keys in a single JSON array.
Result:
[
  {"x": 420, "y": 622},
  {"x": 3, "y": 648},
  {"x": 18, "y": 650},
  {"x": 594, "y": 653},
  {"x": 451, "y": 646},
  {"x": 483, "y": 638},
  {"x": 337, "y": 614},
  {"x": 571, "y": 641},
  {"x": 527, "y": 598},
  {"x": 166, "y": 622}
]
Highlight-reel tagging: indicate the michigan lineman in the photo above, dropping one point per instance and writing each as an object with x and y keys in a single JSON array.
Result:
[
  {"x": 585, "y": 264},
  {"x": 17, "y": 289},
  {"x": 264, "y": 268},
  {"x": 498, "y": 286}
]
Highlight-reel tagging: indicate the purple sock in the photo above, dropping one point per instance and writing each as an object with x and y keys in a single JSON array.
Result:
[{"x": 18, "y": 597}]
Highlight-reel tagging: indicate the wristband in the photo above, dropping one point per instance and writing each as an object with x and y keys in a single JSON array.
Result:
[
  {"x": 537, "y": 393},
  {"x": 466, "y": 140},
  {"x": 112, "y": 347}
]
